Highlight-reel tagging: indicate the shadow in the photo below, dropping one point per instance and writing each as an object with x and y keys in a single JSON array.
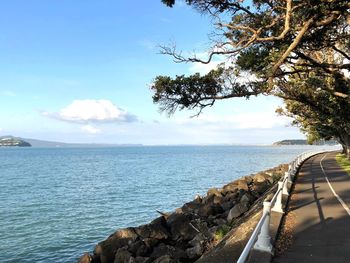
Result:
[
  {"x": 305, "y": 204},
  {"x": 306, "y": 190},
  {"x": 322, "y": 242},
  {"x": 319, "y": 227}
]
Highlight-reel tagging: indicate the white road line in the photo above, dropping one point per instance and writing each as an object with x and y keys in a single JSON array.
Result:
[{"x": 330, "y": 186}]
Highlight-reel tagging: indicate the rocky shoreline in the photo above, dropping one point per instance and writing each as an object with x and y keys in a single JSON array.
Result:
[{"x": 190, "y": 232}]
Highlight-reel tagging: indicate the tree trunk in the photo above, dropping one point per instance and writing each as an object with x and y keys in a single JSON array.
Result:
[{"x": 345, "y": 141}]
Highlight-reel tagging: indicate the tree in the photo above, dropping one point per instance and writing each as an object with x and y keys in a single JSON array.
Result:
[{"x": 294, "y": 48}]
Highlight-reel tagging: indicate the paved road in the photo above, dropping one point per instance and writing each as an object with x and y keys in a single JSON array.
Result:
[{"x": 322, "y": 221}]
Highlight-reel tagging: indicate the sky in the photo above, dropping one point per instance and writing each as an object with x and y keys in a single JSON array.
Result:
[{"x": 80, "y": 71}]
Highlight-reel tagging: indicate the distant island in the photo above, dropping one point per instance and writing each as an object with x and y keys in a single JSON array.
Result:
[
  {"x": 9, "y": 141},
  {"x": 304, "y": 142}
]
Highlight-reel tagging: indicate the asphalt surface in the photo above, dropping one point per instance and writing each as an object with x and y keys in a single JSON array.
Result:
[{"x": 321, "y": 227}]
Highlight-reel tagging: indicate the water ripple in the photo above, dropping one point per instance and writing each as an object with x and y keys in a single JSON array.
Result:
[{"x": 58, "y": 203}]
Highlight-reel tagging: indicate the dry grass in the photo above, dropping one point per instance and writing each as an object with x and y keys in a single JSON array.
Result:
[{"x": 285, "y": 237}]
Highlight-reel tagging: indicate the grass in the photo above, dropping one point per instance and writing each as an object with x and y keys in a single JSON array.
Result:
[
  {"x": 343, "y": 162},
  {"x": 221, "y": 232}
]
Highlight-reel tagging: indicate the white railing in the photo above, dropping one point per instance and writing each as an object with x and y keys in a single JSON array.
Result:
[{"x": 260, "y": 239}]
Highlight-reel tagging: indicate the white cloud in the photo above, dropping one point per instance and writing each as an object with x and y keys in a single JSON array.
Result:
[
  {"x": 96, "y": 111},
  {"x": 90, "y": 129},
  {"x": 203, "y": 68},
  {"x": 1, "y": 129}
]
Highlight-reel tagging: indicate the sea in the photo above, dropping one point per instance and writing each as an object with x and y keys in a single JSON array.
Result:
[{"x": 57, "y": 203}]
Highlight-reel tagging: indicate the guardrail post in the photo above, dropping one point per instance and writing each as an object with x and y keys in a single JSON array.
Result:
[
  {"x": 263, "y": 242},
  {"x": 278, "y": 204},
  {"x": 286, "y": 180}
]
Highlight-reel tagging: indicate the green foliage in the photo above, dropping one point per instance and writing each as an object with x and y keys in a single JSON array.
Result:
[
  {"x": 296, "y": 50},
  {"x": 197, "y": 91},
  {"x": 343, "y": 162},
  {"x": 221, "y": 232}
]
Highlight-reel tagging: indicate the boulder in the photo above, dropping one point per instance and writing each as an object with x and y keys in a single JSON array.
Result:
[
  {"x": 198, "y": 245},
  {"x": 191, "y": 207},
  {"x": 86, "y": 258},
  {"x": 139, "y": 248},
  {"x": 237, "y": 210},
  {"x": 242, "y": 184},
  {"x": 231, "y": 196},
  {"x": 209, "y": 210},
  {"x": 143, "y": 260},
  {"x": 227, "y": 205},
  {"x": 164, "y": 259},
  {"x": 248, "y": 179},
  {"x": 106, "y": 250},
  {"x": 194, "y": 252},
  {"x": 163, "y": 250},
  {"x": 156, "y": 229},
  {"x": 124, "y": 256},
  {"x": 180, "y": 226},
  {"x": 214, "y": 191},
  {"x": 150, "y": 242},
  {"x": 247, "y": 198}
]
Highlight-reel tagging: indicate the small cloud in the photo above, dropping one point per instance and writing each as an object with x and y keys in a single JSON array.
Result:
[
  {"x": 95, "y": 111},
  {"x": 1, "y": 129},
  {"x": 205, "y": 68},
  {"x": 90, "y": 129}
]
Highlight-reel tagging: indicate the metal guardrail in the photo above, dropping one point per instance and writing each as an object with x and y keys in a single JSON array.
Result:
[{"x": 260, "y": 239}]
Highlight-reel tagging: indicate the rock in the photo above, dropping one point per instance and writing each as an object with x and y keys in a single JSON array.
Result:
[
  {"x": 242, "y": 184},
  {"x": 143, "y": 260},
  {"x": 198, "y": 239},
  {"x": 106, "y": 250},
  {"x": 261, "y": 186},
  {"x": 164, "y": 259},
  {"x": 236, "y": 211},
  {"x": 124, "y": 256},
  {"x": 229, "y": 188},
  {"x": 247, "y": 198},
  {"x": 227, "y": 205},
  {"x": 214, "y": 191},
  {"x": 180, "y": 226},
  {"x": 218, "y": 200},
  {"x": 248, "y": 179},
  {"x": 209, "y": 210},
  {"x": 191, "y": 207},
  {"x": 262, "y": 177},
  {"x": 231, "y": 196},
  {"x": 174, "y": 252},
  {"x": 156, "y": 229},
  {"x": 198, "y": 198},
  {"x": 220, "y": 221},
  {"x": 139, "y": 248},
  {"x": 150, "y": 242},
  {"x": 194, "y": 252},
  {"x": 86, "y": 258}
]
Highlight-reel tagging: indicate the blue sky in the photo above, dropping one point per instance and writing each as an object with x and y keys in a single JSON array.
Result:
[{"x": 79, "y": 71}]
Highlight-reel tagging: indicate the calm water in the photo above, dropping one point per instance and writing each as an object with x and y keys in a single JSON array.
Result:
[{"x": 57, "y": 203}]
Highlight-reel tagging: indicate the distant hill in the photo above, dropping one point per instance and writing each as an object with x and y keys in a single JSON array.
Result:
[
  {"x": 10, "y": 141},
  {"x": 51, "y": 144},
  {"x": 304, "y": 142}
]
